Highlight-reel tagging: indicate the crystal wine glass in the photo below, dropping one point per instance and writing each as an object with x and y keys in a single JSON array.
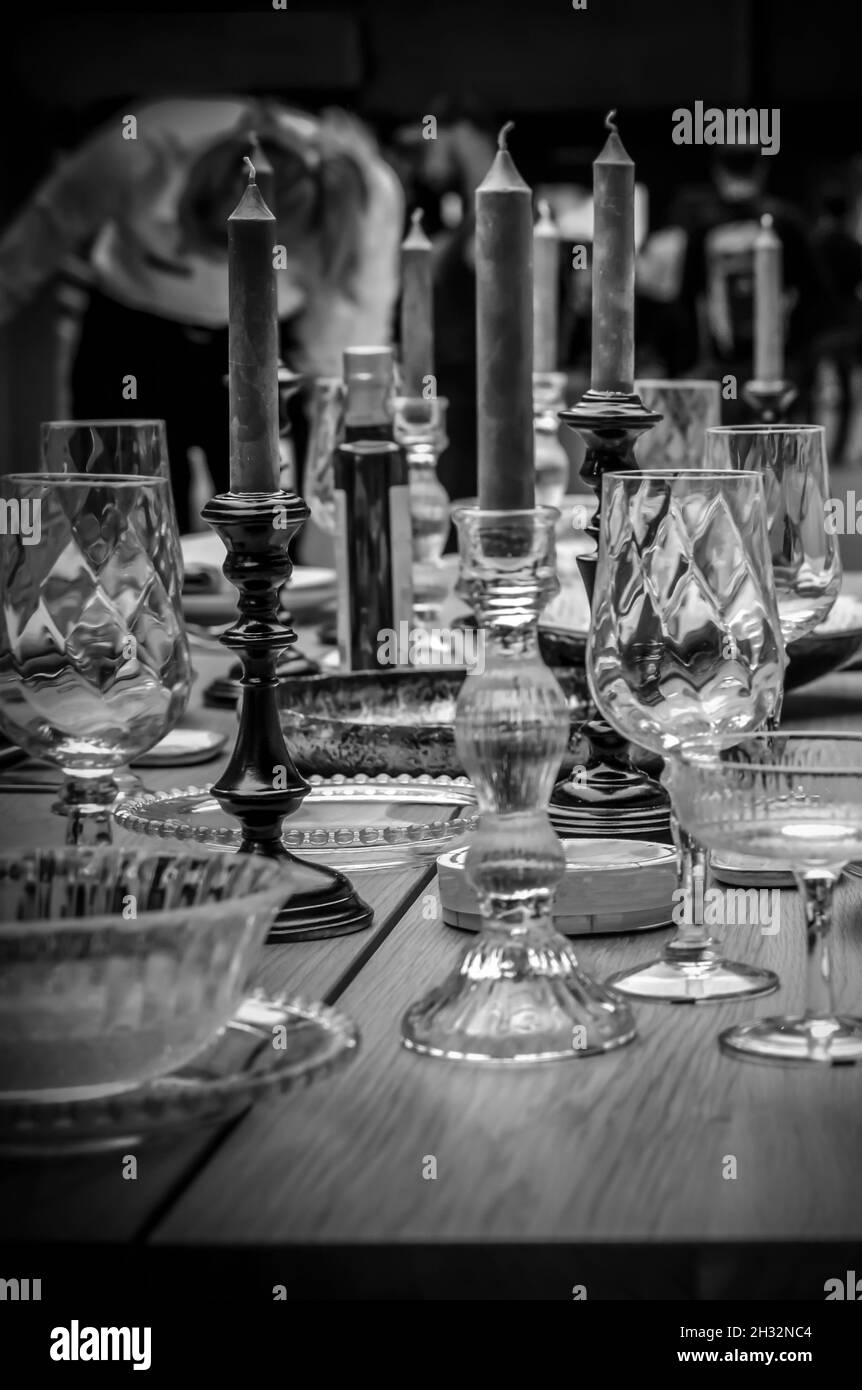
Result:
[
  {"x": 94, "y": 660},
  {"x": 806, "y": 560},
  {"x": 687, "y": 409},
  {"x": 132, "y": 448},
  {"x": 794, "y": 800},
  {"x": 685, "y": 647}
]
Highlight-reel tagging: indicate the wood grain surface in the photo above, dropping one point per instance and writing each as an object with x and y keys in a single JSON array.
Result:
[
  {"x": 87, "y": 1198},
  {"x": 633, "y": 1146}
]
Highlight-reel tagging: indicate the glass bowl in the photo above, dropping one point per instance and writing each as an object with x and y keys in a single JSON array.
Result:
[
  {"x": 117, "y": 966},
  {"x": 393, "y": 723}
]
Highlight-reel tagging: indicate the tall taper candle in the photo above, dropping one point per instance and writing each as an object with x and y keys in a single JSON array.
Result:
[
  {"x": 504, "y": 335},
  {"x": 546, "y": 267},
  {"x": 768, "y": 326},
  {"x": 417, "y": 308},
  {"x": 613, "y": 349},
  {"x": 252, "y": 344}
]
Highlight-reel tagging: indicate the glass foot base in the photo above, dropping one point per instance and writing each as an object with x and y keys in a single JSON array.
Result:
[
  {"x": 692, "y": 981},
  {"x": 515, "y": 1001},
  {"x": 825, "y": 1041}
]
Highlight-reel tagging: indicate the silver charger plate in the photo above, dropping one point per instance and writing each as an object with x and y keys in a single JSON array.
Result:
[
  {"x": 349, "y": 823},
  {"x": 239, "y": 1066}
]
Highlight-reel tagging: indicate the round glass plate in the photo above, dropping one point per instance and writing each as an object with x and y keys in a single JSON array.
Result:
[
  {"x": 246, "y": 1060},
  {"x": 349, "y": 823},
  {"x": 609, "y": 886}
]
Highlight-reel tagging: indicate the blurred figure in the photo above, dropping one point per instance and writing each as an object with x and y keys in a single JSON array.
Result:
[
  {"x": 717, "y": 283},
  {"x": 150, "y": 213}
]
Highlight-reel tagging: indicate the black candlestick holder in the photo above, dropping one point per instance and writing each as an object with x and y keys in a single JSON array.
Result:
[
  {"x": 769, "y": 400},
  {"x": 608, "y": 796},
  {"x": 260, "y": 785}
]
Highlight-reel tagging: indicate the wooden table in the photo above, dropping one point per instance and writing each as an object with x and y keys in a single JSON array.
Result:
[{"x": 610, "y": 1173}]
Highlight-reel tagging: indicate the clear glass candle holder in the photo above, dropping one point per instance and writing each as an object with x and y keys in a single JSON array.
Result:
[
  {"x": 420, "y": 429},
  {"x": 552, "y": 461},
  {"x": 518, "y": 994}
]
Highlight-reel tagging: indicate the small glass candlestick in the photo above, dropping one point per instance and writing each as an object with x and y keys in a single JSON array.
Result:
[
  {"x": 518, "y": 995},
  {"x": 552, "y": 461},
  {"x": 420, "y": 429}
]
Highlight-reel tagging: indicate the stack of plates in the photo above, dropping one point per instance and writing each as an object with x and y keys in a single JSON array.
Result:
[{"x": 620, "y": 823}]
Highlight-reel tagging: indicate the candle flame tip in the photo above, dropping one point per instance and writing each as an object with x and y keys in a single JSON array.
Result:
[
  {"x": 611, "y": 121},
  {"x": 503, "y": 137}
]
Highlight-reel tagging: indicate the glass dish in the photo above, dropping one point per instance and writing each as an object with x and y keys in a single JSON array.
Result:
[
  {"x": 238, "y": 1066},
  {"x": 348, "y": 823},
  {"x": 392, "y": 722}
]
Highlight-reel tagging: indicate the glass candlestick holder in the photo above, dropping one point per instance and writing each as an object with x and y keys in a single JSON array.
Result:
[
  {"x": 552, "y": 461},
  {"x": 420, "y": 429},
  {"x": 518, "y": 994}
]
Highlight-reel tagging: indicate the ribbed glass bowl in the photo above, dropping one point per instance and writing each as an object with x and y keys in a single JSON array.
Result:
[{"x": 118, "y": 965}]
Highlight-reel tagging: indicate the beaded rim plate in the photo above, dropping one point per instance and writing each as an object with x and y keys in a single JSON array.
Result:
[
  {"x": 240, "y": 1064},
  {"x": 387, "y": 820}
]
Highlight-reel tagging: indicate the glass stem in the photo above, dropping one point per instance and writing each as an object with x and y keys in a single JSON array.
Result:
[
  {"x": 773, "y": 721},
  {"x": 87, "y": 804},
  {"x": 692, "y": 862},
  {"x": 817, "y": 887}
]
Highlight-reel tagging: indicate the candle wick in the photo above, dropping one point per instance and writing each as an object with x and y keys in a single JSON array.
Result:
[
  {"x": 502, "y": 138},
  {"x": 416, "y": 218},
  {"x": 544, "y": 210},
  {"x": 766, "y": 221},
  {"x": 610, "y": 121},
  {"x": 252, "y": 176}
]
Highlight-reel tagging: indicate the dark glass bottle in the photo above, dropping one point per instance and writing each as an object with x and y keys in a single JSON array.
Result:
[{"x": 373, "y": 553}]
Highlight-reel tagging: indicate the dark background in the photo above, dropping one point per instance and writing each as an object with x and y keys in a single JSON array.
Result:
[{"x": 553, "y": 69}]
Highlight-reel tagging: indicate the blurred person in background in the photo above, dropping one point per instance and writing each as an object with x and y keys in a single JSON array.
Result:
[
  {"x": 717, "y": 282},
  {"x": 149, "y": 215}
]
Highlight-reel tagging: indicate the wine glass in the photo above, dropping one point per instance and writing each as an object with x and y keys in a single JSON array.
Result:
[
  {"x": 795, "y": 800},
  {"x": 94, "y": 659},
  {"x": 685, "y": 647},
  {"x": 687, "y": 409},
  {"x": 806, "y": 560},
  {"x": 131, "y": 448}
]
